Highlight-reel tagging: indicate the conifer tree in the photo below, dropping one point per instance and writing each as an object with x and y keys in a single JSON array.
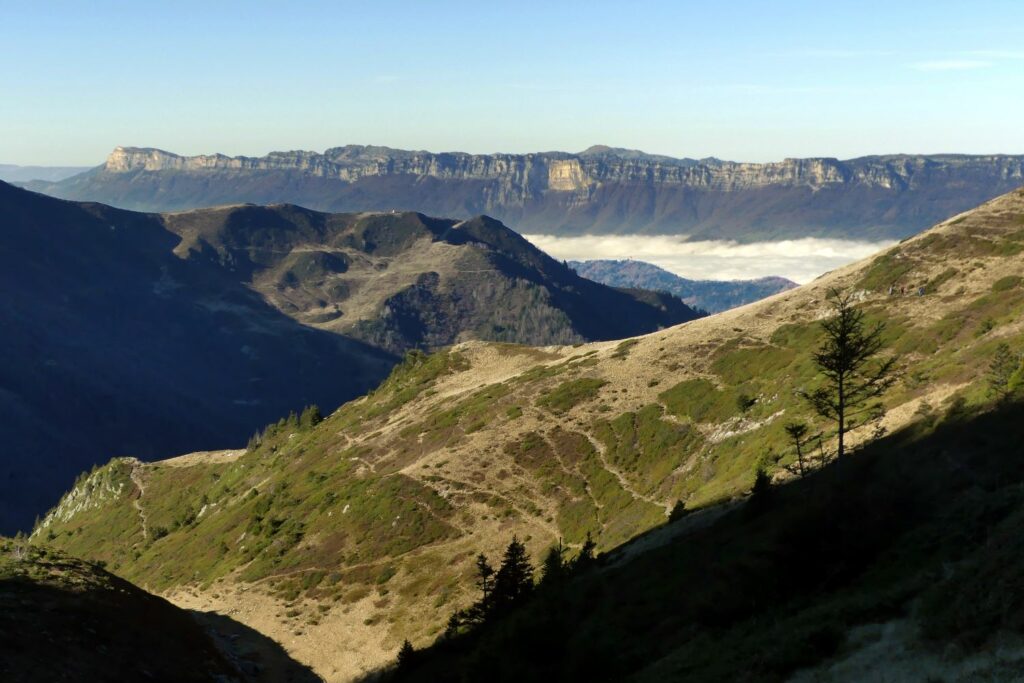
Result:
[
  {"x": 406, "y": 655},
  {"x": 1000, "y": 370},
  {"x": 310, "y": 417},
  {"x": 484, "y": 574},
  {"x": 514, "y": 579},
  {"x": 847, "y": 359},
  {"x": 797, "y": 431},
  {"x": 678, "y": 511},
  {"x": 585, "y": 559},
  {"x": 553, "y": 570}
]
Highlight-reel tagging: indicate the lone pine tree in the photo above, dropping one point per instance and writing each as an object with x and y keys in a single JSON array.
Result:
[{"x": 848, "y": 358}]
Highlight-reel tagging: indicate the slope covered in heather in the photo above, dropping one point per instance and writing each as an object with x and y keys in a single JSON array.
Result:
[{"x": 367, "y": 523}]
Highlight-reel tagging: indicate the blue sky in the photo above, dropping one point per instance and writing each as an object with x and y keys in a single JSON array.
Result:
[{"x": 742, "y": 80}]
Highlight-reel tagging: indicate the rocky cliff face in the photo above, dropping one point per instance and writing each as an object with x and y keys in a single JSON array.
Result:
[
  {"x": 561, "y": 172},
  {"x": 600, "y": 190}
]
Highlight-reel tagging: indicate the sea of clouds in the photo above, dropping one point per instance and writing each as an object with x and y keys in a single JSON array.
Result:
[{"x": 800, "y": 260}]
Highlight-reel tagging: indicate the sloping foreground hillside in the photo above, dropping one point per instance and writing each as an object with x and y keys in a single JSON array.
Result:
[
  {"x": 903, "y": 563},
  {"x": 63, "y": 619},
  {"x": 342, "y": 538},
  {"x": 150, "y": 335}
]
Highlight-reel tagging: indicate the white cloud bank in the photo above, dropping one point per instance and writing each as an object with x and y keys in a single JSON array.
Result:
[{"x": 800, "y": 260}]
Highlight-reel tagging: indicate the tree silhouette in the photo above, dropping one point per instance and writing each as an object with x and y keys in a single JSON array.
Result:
[
  {"x": 484, "y": 574},
  {"x": 406, "y": 655},
  {"x": 585, "y": 559},
  {"x": 479, "y": 611},
  {"x": 847, "y": 359},
  {"x": 553, "y": 570},
  {"x": 797, "y": 431},
  {"x": 514, "y": 579}
]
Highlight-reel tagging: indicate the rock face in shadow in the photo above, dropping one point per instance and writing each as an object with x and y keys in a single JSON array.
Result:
[{"x": 601, "y": 190}]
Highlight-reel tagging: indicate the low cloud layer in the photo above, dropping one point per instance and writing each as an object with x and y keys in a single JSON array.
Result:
[{"x": 800, "y": 260}]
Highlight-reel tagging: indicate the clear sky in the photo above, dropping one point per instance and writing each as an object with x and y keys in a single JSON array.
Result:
[{"x": 740, "y": 80}]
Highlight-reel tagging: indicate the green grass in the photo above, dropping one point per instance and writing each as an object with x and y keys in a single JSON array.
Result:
[
  {"x": 699, "y": 400},
  {"x": 887, "y": 270},
  {"x": 570, "y": 393},
  {"x": 622, "y": 350},
  {"x": 1006, "y": 283}
]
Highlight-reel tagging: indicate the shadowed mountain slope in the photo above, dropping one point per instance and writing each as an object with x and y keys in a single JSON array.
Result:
[
  {"x": 599, "y": 191},
  {"x": 367, "y": 524},
  {"x": 405, "y": 280},
  {"x": 62, "y": 619},
  {"x": 114, "y": 345},
  {"x": 149, "y": 335}
]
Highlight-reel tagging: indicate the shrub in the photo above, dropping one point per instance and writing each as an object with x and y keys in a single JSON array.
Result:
[
  {"x": 568, "y": 394},
  {"x": 1008, "y": 282}
]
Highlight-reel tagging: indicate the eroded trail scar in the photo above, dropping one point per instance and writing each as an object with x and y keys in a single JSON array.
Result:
[{"x": 136, "y": 478}]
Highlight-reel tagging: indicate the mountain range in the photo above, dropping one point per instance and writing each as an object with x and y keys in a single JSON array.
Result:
[
  {"x": 148, "y": 334},
  {"x": 713, "y": 296},
  {"x": 343, "y": 537},
  {"x": 12, "y": 173},
  {"x": 601, "y": 190}
]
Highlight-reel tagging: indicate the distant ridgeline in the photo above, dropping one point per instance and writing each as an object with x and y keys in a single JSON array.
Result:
[
  {"x": 712, "y": 296},
  {"x": 152, "y": 335},
  {"x": 601, "y": 190}
]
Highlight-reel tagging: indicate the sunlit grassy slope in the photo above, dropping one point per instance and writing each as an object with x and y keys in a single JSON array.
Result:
[{"x": 370, "y": 520}]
